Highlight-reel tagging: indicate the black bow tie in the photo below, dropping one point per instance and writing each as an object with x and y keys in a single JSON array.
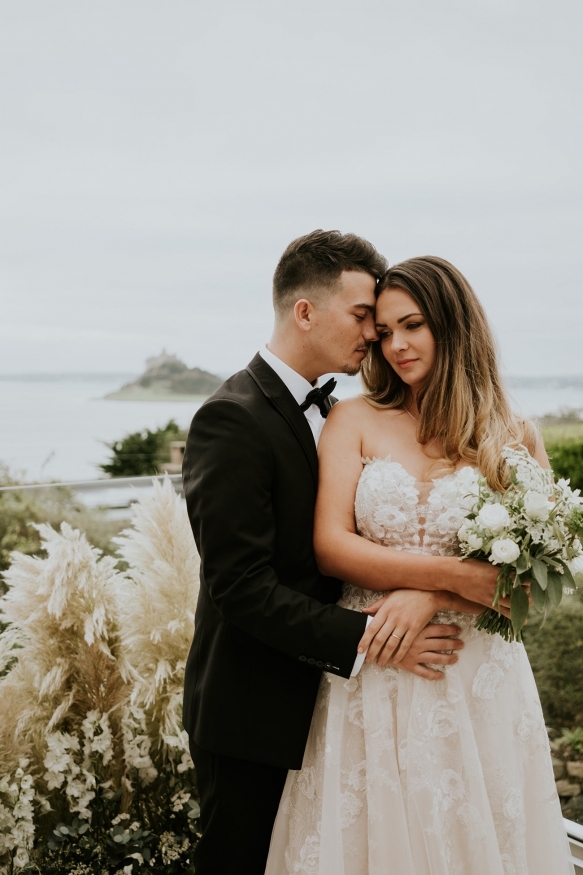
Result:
[{"x": 320, "y": 398}]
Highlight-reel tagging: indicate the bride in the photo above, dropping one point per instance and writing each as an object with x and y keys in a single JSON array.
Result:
[{"x": 402, "y": 775}]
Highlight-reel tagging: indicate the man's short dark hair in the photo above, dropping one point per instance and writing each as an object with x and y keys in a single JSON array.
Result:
[{"x": 313, "y": 263}]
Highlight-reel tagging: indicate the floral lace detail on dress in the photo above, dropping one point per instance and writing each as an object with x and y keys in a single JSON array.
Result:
[
  {"x": 388, "y": 511},
  {"x": 421, "y": 777}
]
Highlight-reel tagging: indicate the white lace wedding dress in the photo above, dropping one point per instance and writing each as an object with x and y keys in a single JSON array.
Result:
[{"x": 404, "y": 776}]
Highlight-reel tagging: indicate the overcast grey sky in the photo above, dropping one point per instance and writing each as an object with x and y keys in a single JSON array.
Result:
[{"x": 158, "y": 156}]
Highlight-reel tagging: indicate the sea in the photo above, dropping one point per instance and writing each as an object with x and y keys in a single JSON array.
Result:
[{"x": 57, "y": 427}]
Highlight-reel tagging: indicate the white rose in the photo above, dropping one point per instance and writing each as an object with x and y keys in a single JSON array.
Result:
[
  {"x": 504, "y": 551},
  {"x": 536, "y": 505},
  {"x": 21, "y": 858},
  {"x": 474, "y": 542},
  {"x": 493, "y": 517}
]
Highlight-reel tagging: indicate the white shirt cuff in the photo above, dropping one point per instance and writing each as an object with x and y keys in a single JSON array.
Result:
[{"x": 358, "y": 663}]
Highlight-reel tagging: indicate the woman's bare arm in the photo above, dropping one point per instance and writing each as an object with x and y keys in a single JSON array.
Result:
[{"x": 342, "y": 553}]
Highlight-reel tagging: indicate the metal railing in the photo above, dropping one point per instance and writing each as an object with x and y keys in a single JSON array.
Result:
[
  {"x": 116, "y": 493},
  {"x": 125, "y": 487},
  {"x": 575, "y": 835}
]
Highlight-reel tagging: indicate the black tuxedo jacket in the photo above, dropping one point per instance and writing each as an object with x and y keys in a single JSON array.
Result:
[{"x": 266, "y": 621}]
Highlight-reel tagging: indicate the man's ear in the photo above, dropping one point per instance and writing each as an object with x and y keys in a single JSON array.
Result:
[{"x": 304, "y": 314}]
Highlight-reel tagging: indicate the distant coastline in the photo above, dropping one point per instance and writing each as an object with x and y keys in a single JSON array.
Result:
[
  {"x": 94, "y": 377},
  {"x": 140, "y": 393},
  {"x": 562, "y": 381}
]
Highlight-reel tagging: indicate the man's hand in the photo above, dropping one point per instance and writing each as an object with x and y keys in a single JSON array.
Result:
[{"x": 432, "y": 646}]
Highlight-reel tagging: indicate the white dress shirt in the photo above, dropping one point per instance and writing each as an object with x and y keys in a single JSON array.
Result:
[{"x": 299, "y": 388}]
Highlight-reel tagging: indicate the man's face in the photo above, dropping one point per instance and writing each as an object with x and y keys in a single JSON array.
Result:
[{"x": 344, "y": 325}]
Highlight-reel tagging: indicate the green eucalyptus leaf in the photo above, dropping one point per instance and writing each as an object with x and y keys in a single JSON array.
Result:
[
  {"x": 555, "y": 588},
  {"x": 568, "y": 579},
  {"x": 519, "y": 606},
  {"x": 523, "y": 562},
  {"x": 539, "y": 596},
  {"x": 540, "y": 570}
]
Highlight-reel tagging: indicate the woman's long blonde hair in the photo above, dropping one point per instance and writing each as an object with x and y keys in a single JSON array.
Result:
[{"x": 463, "y": 402}]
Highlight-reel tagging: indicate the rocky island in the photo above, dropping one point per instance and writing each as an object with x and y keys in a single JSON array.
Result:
[{"x": 166, "y": 378}]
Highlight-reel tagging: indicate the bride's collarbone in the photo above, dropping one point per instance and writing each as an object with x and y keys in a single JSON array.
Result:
[{"x": 391, "y": 435}]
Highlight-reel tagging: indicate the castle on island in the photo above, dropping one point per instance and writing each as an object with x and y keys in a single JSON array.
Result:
[{"x": 164, "y": 358}]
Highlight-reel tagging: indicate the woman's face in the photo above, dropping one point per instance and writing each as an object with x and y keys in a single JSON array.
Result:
[{"x": 406, "y": 340}]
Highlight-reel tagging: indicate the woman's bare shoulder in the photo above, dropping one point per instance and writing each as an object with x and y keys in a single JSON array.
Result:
[
  {"x": 358, "y": 407},
  {"x": 350, "y": 410}
]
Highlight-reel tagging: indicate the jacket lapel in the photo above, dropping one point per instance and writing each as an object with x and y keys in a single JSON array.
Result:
[{"x": 279, "y": 395}]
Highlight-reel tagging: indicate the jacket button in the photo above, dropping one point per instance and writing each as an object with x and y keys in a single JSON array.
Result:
[
  {"x": 303, "y": 658},
  {"x": 311, "y": 661},
  {"x": 320, "y": 664}
]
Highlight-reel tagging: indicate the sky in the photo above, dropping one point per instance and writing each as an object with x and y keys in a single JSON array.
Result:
[{"x": 157, "y": 157}]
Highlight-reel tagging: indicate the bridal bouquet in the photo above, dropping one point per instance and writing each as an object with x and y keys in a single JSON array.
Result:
[{"x": 533, "y": 532}]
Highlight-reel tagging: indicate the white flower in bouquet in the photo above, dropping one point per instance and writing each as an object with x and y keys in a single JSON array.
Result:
[
  {"x": 533, "y": 532},
  {"x": 474, "y": 541},
  {"x": 493, "y": 518},
  {"x": 537, "y": 505},
  {"x": 504, "y": 550}
]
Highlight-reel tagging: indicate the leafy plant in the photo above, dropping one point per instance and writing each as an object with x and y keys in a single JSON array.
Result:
[
  {"x": 22, "y": 511},
  {"x": 566, "y": 457},
  {"x": 555, "y": 650},
  {"x": 142, "y": 452},
  {"x": 572, "y": 738}
]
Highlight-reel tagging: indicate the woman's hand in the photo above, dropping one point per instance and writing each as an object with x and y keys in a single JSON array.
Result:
[
  {"x": 476, "y": 581},
  {"x": 398, "y": 618}
]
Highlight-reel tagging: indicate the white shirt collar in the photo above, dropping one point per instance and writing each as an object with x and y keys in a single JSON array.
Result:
[{"x": 297, "y": 385}]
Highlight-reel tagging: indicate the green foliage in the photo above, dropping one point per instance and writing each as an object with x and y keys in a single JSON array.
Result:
[
  {"x": 572, "y": 738},
  {"x": 160, "y": 837},
  {"x": 20, "y": 511},
  {"x": 555, "y": 649},
  {"x": 566, "y": 457},
  {"x": 142, "y": 452}
]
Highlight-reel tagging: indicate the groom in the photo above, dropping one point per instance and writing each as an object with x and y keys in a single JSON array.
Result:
[{"x": 266, "y": 621}]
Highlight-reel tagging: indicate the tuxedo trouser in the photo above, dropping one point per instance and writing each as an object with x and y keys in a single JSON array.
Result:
[{"x": 238, "y": 805}]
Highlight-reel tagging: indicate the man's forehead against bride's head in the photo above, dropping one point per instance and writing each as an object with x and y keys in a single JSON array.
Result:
[{"x": 315, "y": 267}]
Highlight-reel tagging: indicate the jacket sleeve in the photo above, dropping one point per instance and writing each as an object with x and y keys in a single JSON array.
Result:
[{"x": 228, "y": 468}]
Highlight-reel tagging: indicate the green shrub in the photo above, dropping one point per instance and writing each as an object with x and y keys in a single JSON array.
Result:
[
  {"x": 566, "y": 457},
  {"x": 19, "y": 511},
  {"x": 555, "y": 649},
  {"x": 142, "y": 452}
]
